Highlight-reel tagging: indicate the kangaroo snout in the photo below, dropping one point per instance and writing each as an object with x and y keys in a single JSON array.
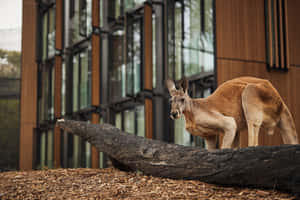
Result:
[{"x": 174, "y": 115}]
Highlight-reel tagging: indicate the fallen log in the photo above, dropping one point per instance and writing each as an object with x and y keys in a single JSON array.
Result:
[{"x": 275, "y": 167}]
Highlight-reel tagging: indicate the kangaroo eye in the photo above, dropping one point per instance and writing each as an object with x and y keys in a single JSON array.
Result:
[{"x": 182, "y": 100}]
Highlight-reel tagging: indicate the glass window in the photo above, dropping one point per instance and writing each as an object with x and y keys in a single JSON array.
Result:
[
  {"x": 82, "y": 80},
  {"x": 153, "y": 51},
  {"x": 75, "y": 82},
  {"x": 81, "y": 153},
  {"x": 46, "y": 149},
  {"x": 134, "y": 121},
  {"x": 140, "y": 115},
  {"x": 48, "y": 34},
  {"x": 85, "y": 79},
  {"x": 129, "y": 121},
  {"x": 117, "y": 70},
  {"x": 191, "y": 49},
  {"x": 80, "y": 26},
  {"x": 44, "y": 36},
  {"x": 46, "y": 96},
  {"x": 76, "y": 151},
  {"x": 50, "y": 149},
  {"x": 43, "y": 150},
  {"x": 122, "y": 6},
  {"x": 134, "y": 57},
  {"x": 101, "y": 16},
  {"x": 118, "y": 120},
  {"x": 51, "y": 33},
  {"x": 52, "y": 81},
  {"x": 181, "y": 135},
  {"x": 63, "y": 90},
  {"x": 87, "y": 154}
]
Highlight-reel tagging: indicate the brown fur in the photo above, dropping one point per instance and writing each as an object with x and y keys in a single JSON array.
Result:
[{"x": 238, "y": 104}]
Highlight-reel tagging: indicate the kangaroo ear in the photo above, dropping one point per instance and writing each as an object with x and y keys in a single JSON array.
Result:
[
  {"x": 184, "y": 84},
  {"x": 170, "y": 85}
]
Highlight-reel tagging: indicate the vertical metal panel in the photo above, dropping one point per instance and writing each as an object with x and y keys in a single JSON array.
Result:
[
  {"x": 59, "y": 24},
  {"x": 95, "y": 70},
  {"x": 95, "y": 74},
  {"x": 148, "y": 46},
  {"x": 95, "y": 152},
  {"x": 148, "y": 118},
  {"x": 95, "y": 13},
  {"x": 28, "y": 111},
  {"x": 148, "y": 68},
  {"x": 58, "y": 79}
]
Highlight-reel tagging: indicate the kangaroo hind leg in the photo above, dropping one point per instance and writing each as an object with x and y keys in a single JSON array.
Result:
[{"x": 253, "y": 111}]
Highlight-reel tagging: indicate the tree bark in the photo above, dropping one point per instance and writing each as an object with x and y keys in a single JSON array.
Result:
[{"x": 276, "y": 167}]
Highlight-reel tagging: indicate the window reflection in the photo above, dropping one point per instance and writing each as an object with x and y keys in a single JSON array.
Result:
[
  {"x": 191, "y": 49},
  {"x": 133, "y": 119},
  {"x": 134, "y": 57},
  {"x": 82, "y": 80},
  {"x": 122, "y": 6},
  {"x": 48, "y": 34},
  {"x": 80, "y": 25},
  {"x": 46, "y": 96},
  {"x": 117, "y": 71},
  {"x": 46, "y": 149},
  {"x": 63, "y": 90}
]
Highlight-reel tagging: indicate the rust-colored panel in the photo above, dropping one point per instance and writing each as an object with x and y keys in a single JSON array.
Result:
[
  {"x": 28, "y": 115},
  {"x": 26, "y": 146},
  {"x": 59, "y": 24},
  {"x": 95, "y": 13},
  {"x": 293, "y": 31},
  {"x": 286, "y": 84},
  {"x": 57, "y": 86},
  {"x": 95, "y": 152},
  {"x": 95, "y": 70},
  {"x": 57, "y": 108},
  {"x": 148, "y": 118},
  {"x": 148, "y": 46},
  {"x": 240, "y": 29}
]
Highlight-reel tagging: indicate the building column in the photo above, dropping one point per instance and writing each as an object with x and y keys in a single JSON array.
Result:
[
  {"x": 95, "y": 74},
  {"x": 58, "y": 79},
  {"x": 160, "y": 115},
  {"x": 148, "y": 85},
  {"x": 29, "y": 72}
]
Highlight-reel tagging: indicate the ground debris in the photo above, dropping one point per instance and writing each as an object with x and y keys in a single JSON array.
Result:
[{"x": 111, "y": 183}]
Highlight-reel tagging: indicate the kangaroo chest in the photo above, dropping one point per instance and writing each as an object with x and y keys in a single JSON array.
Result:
[{"x": 205, "y": 128}]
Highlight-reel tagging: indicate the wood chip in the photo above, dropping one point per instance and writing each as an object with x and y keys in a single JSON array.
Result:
[{"x": 111, "y": 183}]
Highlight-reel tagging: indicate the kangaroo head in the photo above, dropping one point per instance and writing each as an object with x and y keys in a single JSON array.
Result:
[{"x": 179, "y": 97}]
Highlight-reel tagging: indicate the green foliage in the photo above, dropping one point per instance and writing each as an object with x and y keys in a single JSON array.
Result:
[
  {"x": 12, "y": 67},
  {"x": 9, "y": 133}
]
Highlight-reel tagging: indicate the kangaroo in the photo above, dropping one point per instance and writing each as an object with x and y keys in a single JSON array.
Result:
[{"x": 241, "y": 103}]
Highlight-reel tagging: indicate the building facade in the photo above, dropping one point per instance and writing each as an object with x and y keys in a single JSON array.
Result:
[{"x": 106, "y": 61}]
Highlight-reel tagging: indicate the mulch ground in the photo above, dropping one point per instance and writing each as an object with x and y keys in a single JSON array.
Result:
[{"x": 111, "y": 183}]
